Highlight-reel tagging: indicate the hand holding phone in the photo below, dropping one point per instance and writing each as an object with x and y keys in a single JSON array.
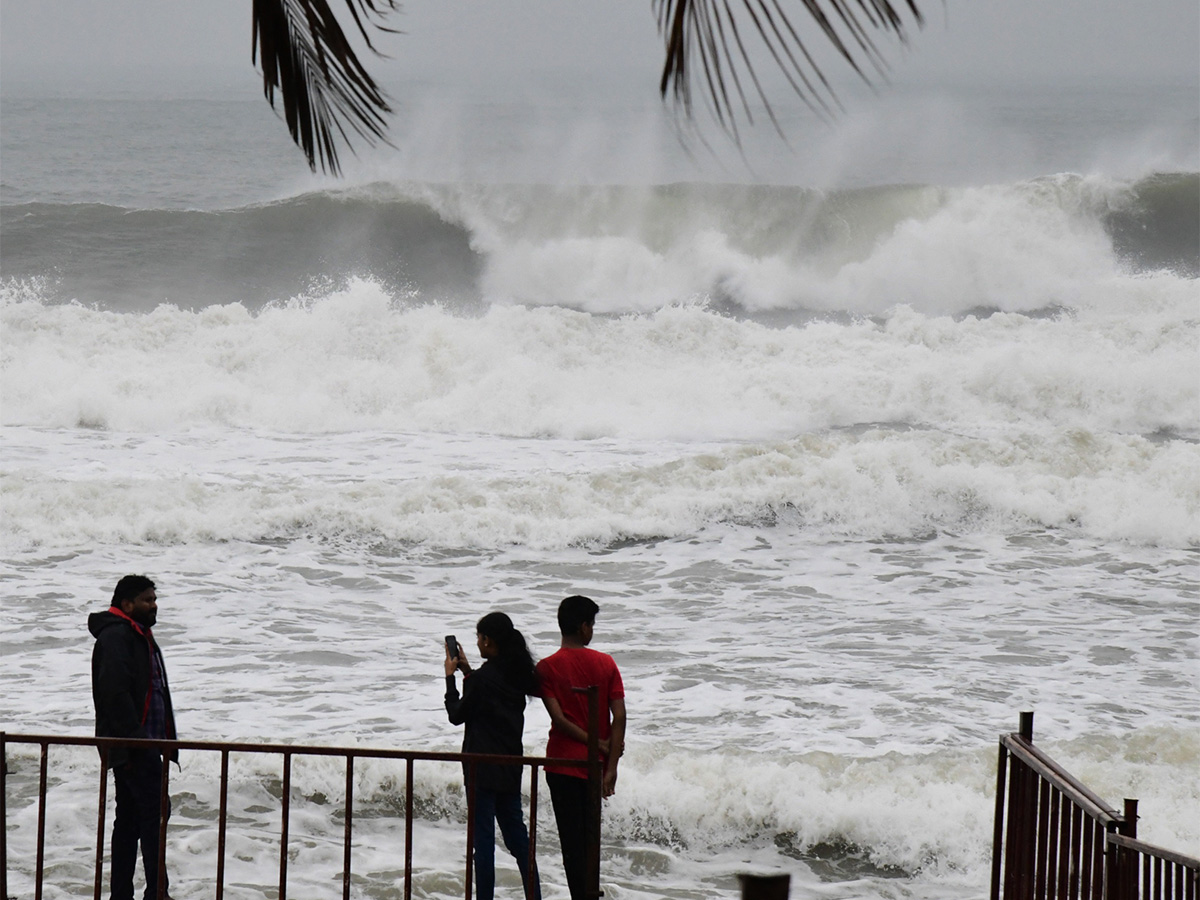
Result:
[{"x": 452, "y": 661}]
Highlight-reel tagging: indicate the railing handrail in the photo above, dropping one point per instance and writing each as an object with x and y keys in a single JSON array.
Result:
[
  {"x": 1152, "y": 850},
  {"x": 292, "y": 749},
  {"x": 288, "y": 751},
  {"x": 1055, "y": 837},
  {"x": 1083, "y": 797}
]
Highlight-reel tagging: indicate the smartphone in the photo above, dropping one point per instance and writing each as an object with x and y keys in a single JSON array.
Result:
[{"x": 452, "y": 646}]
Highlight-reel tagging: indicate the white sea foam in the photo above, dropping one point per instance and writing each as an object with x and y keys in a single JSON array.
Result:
[
  {"x": 359, "y": 360},
  {"x": 860, "y": 727},
  {"x": 182, "y": 488}
]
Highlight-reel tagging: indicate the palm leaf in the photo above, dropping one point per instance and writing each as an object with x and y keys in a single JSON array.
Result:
[
  {"x": 707, "y": 32},
  {"x": 325, "y": 91},
  {"x": 327, "y": 95}
]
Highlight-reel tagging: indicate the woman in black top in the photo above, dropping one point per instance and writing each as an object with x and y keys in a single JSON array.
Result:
[{"x": 492, "y": 707}]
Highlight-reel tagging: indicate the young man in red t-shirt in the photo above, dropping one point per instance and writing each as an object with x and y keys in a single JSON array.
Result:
[{"x": 575, "y": 666}]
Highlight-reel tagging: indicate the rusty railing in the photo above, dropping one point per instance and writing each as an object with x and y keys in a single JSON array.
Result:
[
  {"x": 1055, "y": 839},
  {"x": 288, "y": 752}
]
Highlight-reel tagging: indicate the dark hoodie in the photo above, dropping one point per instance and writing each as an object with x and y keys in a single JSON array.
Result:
[
  {"x": 493, "y": 710},
  {"x": 121, "y": 681}
]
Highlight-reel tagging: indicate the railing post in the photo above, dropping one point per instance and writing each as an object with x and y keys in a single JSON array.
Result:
[
  {"x": 1129, "y": 860},
  {"x": 595, "y": 793},
  {"x": 1026, "y": 727},
  {"x": 471, "y": 776},
  {"x": 41, "y": 827},
  {"x": 164, "y": 811},
  {"x": 408, "y": 826},
  {"x": 349, "y": 826},
  {"x": 102, "y": 808},
  {"x": 283, "y": 826},
  {"x": 222, "y": 819},
  {"x": 765, "y": 887},
  {"x": 3, "y": 816},
  {"x": 998, "y": 833},
  {"x": 531, "y": 863},
  {"x": 1129, "y": 829}
]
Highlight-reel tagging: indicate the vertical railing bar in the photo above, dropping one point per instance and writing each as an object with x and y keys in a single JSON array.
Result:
[
  {"x": 408, "y": 828},
  {"x": 1011, "y": 847},
  {"x": 998, "y": 828},
  {"x": 349, "y": 825},
  {"x": 101, "y": 809},
  {"x": 3, "y": 815},
  {"x": 1076, "y": 850},
  {"x": 1110, "y": 862},
  {"x": 222, "y": 821},
  {"x": 283, "y": 828},
  {"x": 1096, "y": 861},
  {"x": 1087, "y": 859},
  {"x": 471, "y": 775},
  {"x": 1053, "y": 843},
  {"x": 595, "y": 792},
  {"x": 1063, "y": 882},
  {"x": 41, "y": 833},
  {"x": 164, "y": 806},
  {"x": 1043, "y": 827},
  {"x": 1152, "y": 866},
  {"x": 1030, "y": 815},
  {"x": 531, "y": 863}
]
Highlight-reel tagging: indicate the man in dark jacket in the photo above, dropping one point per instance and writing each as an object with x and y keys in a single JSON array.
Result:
[{"x": 132, "y": 700}]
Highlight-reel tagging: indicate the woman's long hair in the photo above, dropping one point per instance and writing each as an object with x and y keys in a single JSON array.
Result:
[{"x": 514, "y": 660}]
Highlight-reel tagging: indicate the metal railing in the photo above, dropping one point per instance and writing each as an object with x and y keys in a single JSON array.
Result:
[
  {"x": 287, "y": 752},
  {"x": 1055, "y": 839},
  {"x": 1146, "y": 871}
]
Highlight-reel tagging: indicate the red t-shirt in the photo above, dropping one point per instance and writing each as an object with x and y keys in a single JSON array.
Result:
[{"x": 581, "y": 667}]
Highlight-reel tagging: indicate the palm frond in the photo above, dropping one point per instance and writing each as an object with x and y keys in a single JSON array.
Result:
[
  {"x": 326, "y": 93},
  {"x": 706, "y": 32}
]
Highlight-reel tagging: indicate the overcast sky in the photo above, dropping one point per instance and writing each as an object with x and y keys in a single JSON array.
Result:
[{"x": 529, "y": 45}]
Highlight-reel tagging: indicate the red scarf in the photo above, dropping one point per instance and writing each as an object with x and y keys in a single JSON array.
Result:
[{"x": 144, "y": 632}]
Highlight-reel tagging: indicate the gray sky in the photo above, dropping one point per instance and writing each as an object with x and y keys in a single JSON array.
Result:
[{"x": 526, "y": 46}]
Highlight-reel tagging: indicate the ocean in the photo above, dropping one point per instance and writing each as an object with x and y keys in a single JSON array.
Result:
[{"x": 863, "y": 444}]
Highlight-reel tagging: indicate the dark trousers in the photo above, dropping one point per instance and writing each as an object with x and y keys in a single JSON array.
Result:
[
  {"x": 503, "y": 807},
  {"x": 570, "y": 798},
  {"x": 139, "y": 784}
]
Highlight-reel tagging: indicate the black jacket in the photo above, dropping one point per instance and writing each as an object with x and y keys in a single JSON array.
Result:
[
  {"x": 121, "y": 682},
  {"x": 493, "y": 710}
]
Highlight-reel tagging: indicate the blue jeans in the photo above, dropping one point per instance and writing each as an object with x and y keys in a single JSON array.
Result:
[{"x": 503, "y": 807}]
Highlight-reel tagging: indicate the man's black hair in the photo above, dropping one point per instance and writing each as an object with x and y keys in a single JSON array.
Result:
[
  {"x": 130, "y": 587},
  {"x": 574, "y": 612}
]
